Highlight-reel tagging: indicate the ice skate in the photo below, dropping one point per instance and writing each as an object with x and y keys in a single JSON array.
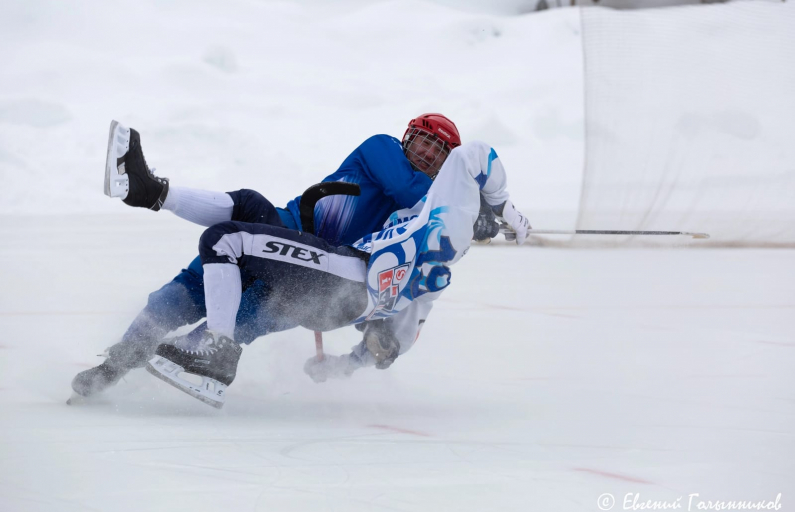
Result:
[
  {"x": 126, "y": 174},
  {"x": 214, "y": 362},
  {"x": 95, "y": 380},
  {"x": 120, "y": 359}
]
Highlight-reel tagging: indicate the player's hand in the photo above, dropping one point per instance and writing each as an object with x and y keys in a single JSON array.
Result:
[
  {"x": 381, "y": 343},
  {"x": 486, "y": 226},
  {"x": 330, "y": 367},
  {"x": 517, "y": 221}
]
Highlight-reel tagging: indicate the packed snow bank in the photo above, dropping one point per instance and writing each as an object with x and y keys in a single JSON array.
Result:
[
  {"x": 274, "y": 95},
  {"x": 689, "y": 110}
]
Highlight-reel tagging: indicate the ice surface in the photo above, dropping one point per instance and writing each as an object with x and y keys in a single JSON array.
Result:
[{"x": 543, "y": 378}]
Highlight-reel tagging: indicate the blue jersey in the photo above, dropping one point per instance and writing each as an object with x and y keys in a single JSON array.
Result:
[{"x": 388, "y": 183}]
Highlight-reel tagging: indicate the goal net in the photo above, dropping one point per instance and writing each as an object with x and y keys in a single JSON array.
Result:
[{"x": 690, "y": 121}]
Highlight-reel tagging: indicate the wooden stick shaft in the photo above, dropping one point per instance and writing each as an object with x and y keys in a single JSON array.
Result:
[{"x": 319, "y": 345}]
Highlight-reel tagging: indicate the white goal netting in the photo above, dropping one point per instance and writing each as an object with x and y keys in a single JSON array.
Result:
[{"x": 690, "y": 121}]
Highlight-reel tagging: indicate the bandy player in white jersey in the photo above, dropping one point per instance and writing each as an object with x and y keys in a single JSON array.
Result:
[
  {"x": 385, "y": 283},
  {"x": 410, "y": 258}
]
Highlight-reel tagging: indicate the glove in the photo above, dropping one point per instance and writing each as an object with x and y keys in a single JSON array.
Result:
[
  {"x": 381, "y": 343},
  {"x": 485, "y": 227},
  {"x": 331, "y": 367},
  {"x": 518, "y": 222},
  {"x": 379, "y": 346}
]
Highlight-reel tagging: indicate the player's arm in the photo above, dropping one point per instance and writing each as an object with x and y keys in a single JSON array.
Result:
[
  {"x": 383, "y": 341},
  {"x": 485, "y": 166}
]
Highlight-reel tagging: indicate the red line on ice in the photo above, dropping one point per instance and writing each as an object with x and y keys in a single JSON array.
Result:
[
  {"x": 613, "y": 475},
  {"x": 401, "y": 430}
]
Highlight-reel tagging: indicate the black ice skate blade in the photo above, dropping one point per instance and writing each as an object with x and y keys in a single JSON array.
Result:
[{"x": 183, "y": 388}]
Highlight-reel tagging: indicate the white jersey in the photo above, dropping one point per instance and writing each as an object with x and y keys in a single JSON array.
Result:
[{"x": 410, "y": 258}]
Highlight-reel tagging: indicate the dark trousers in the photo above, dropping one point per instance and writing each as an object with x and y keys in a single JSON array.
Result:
[
  {"x": 180, "y": 302},
  {"x": 307, "y": 281}
]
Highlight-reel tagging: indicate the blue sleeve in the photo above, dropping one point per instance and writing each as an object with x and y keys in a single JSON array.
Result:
[
  {"x": 251, "y": 206},
  {"x": 385, "y": 163},
  {"x": 293, "y": 208}
]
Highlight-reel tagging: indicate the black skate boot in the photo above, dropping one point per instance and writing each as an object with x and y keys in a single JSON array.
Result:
[
  {"x": 214, "y": 362},
  {"x": 97, "y": 379},
  {"x": 126, "y": 173},
  {"x": 121, "y": 358}
]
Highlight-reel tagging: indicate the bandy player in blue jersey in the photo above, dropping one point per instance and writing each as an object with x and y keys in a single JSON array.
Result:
[
  {"x": 280, "y": 277},
  {"x": 391, "y": 175},
  {"x": 385, "y": 282}
]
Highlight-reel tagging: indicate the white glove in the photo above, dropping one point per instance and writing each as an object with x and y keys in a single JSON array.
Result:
[{"x": 516, "y": 221}]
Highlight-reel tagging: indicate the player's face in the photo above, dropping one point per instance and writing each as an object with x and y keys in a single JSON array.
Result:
[{"x": 426, "y": 153}]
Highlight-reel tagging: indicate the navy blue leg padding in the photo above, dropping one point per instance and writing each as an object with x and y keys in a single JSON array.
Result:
[
  {"x": 181, "y": 301},
  {"x": 254, "y": 318},
  {"x": 251, "y": 206},
  {"x": 296, "y": 293}
]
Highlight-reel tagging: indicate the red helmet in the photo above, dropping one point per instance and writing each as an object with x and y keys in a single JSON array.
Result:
[
  {"x": 427, "y": 142},
  {"x": 438, "y": 125}
]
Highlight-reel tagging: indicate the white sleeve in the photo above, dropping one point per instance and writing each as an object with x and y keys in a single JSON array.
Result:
[
  {"x": 492, "y": 179},
  {"x": 407, "y": 324},
  {"x": 431, "y": 241},
  {"x": 201, "y": 207}
]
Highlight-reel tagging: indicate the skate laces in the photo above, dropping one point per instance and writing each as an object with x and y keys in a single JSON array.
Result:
[
  {"x": 152, "y": 175},
  {"x": 209, "y": 345}
]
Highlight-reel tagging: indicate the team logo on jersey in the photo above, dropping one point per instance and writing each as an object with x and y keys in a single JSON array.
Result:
[
  {"x": 400, "y": 273},
  {"x": 389, "y": 288}
]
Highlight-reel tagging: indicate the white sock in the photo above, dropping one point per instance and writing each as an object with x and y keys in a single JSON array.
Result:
[
  {"x": 222, "y": 289},
  {"x": 201, "y": 207}
]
